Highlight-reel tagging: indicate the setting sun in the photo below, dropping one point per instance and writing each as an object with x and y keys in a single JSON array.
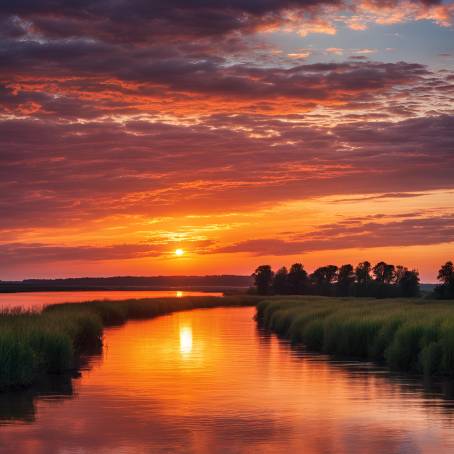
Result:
[{"x": 179, "y": 252}]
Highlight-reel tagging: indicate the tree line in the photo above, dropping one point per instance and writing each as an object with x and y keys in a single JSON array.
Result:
[{"x": 383, "y": 280}]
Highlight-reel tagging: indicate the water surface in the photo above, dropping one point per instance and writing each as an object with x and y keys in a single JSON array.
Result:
[
  {"x": 39, "y": 299},
  {"x": 208, "y": 381}
]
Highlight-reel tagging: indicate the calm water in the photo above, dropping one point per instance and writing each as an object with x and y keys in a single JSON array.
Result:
[
  {"x": 208, "y": 381},
  {"x": 40, "y": 299}
]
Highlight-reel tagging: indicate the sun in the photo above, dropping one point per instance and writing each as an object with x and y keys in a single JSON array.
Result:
[{"x": 179, "y": 252}]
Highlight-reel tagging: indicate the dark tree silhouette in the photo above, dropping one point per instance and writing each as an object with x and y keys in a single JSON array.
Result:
[
  {"x": 297, "y": 279},
  {"x": 362, "y": 273},
  {"x": 388, "y": 281},
  {"x": 345, "y": 280},
  {"x": 323, "y": 278},
  {"x": 408, "y": 281},
  {"x": 364, "y": 283},
  {"x": 446, "y": 277},
  {"x": 384, "y": 273},
  {"x": 280, "y": 281},
  {"x": 263, "y": 278}
]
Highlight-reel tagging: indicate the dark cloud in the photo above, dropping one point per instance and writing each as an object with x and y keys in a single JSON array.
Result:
[
  {"x": 70, "y": 173},
  {"x": 346, "y": 235},
  {"x": 14, "y": 253},
  {"x": 179, "y": 76},
  {"x": 141, "y": 20},
  {"x": 391, "y": 195},
  {"x": 98, "y": 58}
]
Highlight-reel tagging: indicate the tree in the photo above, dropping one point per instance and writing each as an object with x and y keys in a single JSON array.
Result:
[
  {"x": 400, "y": 272},
  {"x": 345, "y": 279},
  {"x": 331, "y": 273},
  {"x": 362, "y": 273},
  {"x": 280, "y": 281},
  {"x": 263, "y": 277},
  {"x": 384, "y": 273},
  {"x": 323, "y": 278},
  {"x": 364, "y": 283},
  {"x": 446, "y": 277},
  {"x": 408, "y": 281},
  {"x": 297, "y": 279}
]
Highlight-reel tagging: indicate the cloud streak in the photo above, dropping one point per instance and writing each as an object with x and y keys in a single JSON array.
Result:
[{"x": 408, "y": 232}]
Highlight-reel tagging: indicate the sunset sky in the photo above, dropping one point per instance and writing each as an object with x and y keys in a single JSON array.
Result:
[{"x": 240, "y": 131}]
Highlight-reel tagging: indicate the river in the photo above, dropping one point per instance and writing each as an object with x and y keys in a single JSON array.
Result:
[{"x": 209, "y": 381}]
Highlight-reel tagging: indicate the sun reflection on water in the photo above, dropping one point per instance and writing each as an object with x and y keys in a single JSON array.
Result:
[{"x": 185, "y": 340}]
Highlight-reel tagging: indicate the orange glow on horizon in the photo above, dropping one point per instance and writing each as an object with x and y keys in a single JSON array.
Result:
[{"x": 318, "y": 232}]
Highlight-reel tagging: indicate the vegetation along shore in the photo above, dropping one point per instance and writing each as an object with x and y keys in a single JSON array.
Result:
[{"x": 411, "y": 335}]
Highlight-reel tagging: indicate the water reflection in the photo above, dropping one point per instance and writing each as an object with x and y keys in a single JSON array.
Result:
[
  {"x": 185, "y": 340},
  {"x": 21, "y": 406},
  {"x": 208, "y": 381}
]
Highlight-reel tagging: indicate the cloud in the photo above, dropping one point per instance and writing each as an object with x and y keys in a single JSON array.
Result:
[
  {"x": 141, "y": 21},
  {"x": 335, "y": 50},
  {"x": 390, "y": 195},
  {"x": 122, "y": 58},
  {"x": 14, "y": 254},
  {"x": 67, "y": 174},
  {"x": 347, "y": 235},
  {"x": 303, "y": 53}
]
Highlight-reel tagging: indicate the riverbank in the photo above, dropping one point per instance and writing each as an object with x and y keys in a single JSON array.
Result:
[
  {"x": 52, "y": 341},
  {"x": 410, "y": 335}
]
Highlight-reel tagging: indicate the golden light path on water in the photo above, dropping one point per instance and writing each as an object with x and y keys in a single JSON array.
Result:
[
  {"x": 209, "y": 381},
  {"x": 185, "y": 340}
]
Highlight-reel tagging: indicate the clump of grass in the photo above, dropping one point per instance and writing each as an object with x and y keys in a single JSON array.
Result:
[
  {"x": 408, "y": 335},
  {"x": 17, "y": 360},
  {"x": 51, "y": 341},
  {"x": 33, "y": 343}
]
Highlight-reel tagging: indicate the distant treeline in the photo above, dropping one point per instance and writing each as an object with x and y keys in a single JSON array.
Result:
[
  {"x": 126, "y": 283},
  {"x": 383, "y": 280}
]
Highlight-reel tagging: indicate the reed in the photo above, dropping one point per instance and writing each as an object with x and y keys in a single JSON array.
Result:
[
  {"x": 411, "y": 335},
  {"x": 51, "y": 341}
]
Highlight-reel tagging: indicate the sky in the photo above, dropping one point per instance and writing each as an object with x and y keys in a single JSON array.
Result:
[{"x": 241, "y": 131}]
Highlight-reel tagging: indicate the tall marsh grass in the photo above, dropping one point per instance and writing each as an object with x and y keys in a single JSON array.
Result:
[
  {"x": 51, "y": 341},
  {"x": 407, "y": 335}
]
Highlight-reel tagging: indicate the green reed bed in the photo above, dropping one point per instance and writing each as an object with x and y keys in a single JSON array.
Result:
[
  {"x": 51, "y": 341},
  {"x": 407, "y": 335}
]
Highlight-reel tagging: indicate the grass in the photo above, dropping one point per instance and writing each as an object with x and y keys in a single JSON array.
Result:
[
  {"x": 411, "y": 335},
  {"x": 51, "y": 341}
]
